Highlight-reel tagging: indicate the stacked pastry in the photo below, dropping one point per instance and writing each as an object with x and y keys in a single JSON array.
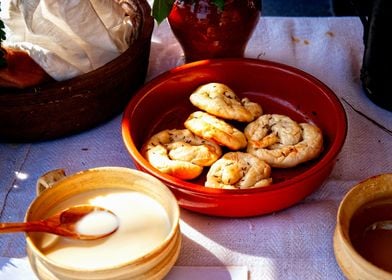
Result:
[{"x": 237, "y": 159}]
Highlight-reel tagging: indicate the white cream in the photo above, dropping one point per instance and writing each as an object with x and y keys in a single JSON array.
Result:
[
  {"x": 143, "y": 225},
  {"x": 97, "y": 223}
]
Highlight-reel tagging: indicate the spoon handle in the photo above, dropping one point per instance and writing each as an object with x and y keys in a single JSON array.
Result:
[{"x": 26, "y": 227}]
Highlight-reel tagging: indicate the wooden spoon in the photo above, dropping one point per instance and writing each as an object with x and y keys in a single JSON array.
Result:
[{"x": 86, "y": 222}]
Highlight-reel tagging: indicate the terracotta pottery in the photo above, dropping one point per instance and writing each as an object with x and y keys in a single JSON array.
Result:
[
  {"x": 279, "y": 89},
  {"x": 206, "y": 31}
]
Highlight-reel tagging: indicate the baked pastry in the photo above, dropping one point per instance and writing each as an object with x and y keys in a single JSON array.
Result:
[
  {"x": 282, "y": 142},
  {"x": 219, "y": 100},
  {"x": 21, "y": 71},
  {"x": 180, "y": 153},
  {"x": 238, "y": 170},
  {"x": 273, "y": 129},
  {"x": 211, "y": 128}
]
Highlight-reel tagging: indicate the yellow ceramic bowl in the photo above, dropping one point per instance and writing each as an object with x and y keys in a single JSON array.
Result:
[
  {"x": 145, "y": 246},
  {"x": 375, "y": 191}
]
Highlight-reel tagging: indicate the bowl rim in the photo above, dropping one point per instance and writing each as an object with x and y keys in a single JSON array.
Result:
[{"x": 323, "y": 162}]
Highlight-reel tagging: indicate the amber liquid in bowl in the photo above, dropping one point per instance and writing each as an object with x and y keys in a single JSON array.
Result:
[{"x": 373, "y": 241}]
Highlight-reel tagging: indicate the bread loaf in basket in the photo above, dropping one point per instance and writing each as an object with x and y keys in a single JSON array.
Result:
[{"x": 56, "y": 109}]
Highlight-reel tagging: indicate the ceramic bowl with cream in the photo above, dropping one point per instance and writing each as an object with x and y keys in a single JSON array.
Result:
[
  {"x": 145, "y": 245},
  {"x": 363, "y": 234}
]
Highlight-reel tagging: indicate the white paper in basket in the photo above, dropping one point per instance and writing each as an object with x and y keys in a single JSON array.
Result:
[{"x": 67, "y": 38}]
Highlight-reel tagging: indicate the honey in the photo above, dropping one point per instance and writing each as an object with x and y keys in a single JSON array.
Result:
[{"x": 371, "y": 232}]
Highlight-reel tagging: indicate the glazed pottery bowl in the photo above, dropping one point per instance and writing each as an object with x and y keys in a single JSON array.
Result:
[
  {"x": 140, "y": 248},
  {"x": 370, "y": 259},
  {"x": 164, "y": 103}
]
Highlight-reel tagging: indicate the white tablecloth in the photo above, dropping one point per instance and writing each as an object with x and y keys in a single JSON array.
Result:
[{"x": 295, "y": 243}]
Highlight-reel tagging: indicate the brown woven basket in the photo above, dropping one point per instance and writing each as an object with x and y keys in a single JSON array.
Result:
[{"x": 61, "y": 108}]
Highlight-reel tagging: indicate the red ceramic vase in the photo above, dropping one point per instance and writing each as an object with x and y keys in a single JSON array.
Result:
[{"x": 206, "y": 31}]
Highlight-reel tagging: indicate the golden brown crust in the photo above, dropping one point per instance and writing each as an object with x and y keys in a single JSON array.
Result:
[
  {"x": 21, "y": 71},
  {"x": 238, "y": 170},
  {"x": 210, "y": 127},
  {"x": 219, "y": 100},
  {"x": 180, "y": 153},
  {"x": 287, "y": 151}
]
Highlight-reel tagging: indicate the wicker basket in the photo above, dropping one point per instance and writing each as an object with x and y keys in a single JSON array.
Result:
[{"x": 61, "y": 108}]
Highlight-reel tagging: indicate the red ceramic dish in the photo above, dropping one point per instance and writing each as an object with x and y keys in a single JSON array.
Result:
[{"x": 164, "y": 103}]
